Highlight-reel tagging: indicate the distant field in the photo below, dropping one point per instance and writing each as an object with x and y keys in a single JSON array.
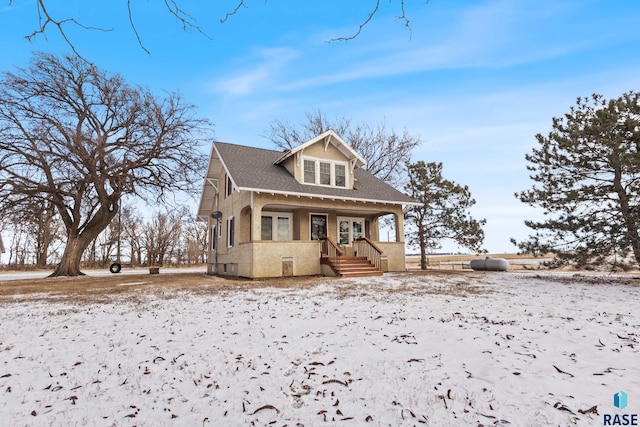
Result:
[{"x": 461, "y": 262}]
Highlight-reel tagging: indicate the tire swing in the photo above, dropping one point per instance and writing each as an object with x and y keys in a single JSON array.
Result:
[{"x": 115, "y": 268}]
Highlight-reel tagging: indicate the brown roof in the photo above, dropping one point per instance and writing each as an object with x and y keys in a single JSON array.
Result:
[{"x": 253, "y": 168}]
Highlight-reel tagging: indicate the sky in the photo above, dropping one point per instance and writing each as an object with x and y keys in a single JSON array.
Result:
[{"x": 476, "y": 80}]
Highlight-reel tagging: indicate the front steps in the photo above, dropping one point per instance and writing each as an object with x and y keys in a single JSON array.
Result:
[{"x": 344, "y": 266}]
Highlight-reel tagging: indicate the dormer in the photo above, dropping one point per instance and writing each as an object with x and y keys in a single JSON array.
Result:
[{"x": 325, "y": 161}]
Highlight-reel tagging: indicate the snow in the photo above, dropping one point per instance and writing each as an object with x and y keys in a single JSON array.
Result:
[{"x": 402, "y": 349}]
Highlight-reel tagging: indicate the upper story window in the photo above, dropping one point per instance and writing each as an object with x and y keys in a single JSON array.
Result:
[
  {"x": 340, "y": 175},
  {"x": 324, "y": 172},
  {"x": 228, "y": 186},
  {"x": 309, "y": 171}
]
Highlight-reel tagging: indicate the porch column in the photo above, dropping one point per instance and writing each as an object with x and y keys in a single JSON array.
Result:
[
  {"x": 399, "y": 225},
  {"x": 256, "y": 220}
]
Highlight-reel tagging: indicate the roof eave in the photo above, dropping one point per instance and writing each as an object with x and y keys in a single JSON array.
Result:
[{"x": 330, "y": 196}]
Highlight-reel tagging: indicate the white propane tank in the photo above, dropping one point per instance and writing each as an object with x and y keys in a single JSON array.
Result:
[{"x": 490, "y": 264}]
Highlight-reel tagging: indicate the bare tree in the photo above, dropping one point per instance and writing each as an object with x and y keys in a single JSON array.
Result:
[
  {"x": 385, "y": 151},
  {"x": 78, "y": 138},
  {"x": 195, "y": 239},
  {"x": 36, "y": 229},
  {"x": 186, "y": 20},
  {"x": 132, "y": 225},
  {"x": 160, "y": 236}
]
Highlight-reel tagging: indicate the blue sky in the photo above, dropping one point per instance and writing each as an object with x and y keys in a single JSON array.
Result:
[{"x": 475, "y": 79}]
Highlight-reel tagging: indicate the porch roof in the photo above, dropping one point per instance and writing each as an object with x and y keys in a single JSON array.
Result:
[{"x": 254, "y": 169}]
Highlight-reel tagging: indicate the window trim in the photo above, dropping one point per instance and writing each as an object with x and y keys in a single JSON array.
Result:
[
  {"x": 317, "y": 161},
  {"x": 274, "y": 224}
]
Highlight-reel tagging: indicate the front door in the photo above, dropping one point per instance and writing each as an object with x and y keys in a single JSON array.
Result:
[
  {"x": 318, "y": 226},
  {"x": 350, "y": 229}
]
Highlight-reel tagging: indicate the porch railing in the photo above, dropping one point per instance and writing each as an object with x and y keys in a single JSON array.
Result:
[
  {"x": 330, "y": 249},
  {"x": 366, "y": 248}
]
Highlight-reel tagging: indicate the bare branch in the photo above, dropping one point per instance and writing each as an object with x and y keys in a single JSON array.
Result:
[
  {"x": 135, "y": 29},
  {"x": 187, "y": 20},
  {"x": 366, "y": 21},
  {"x": 43, "y": 15},
  {"x": 402, "y": 17},
  {"x": 234, "y": 11}
]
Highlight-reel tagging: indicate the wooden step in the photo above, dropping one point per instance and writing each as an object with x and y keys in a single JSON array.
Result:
[{"x": 352, "y": 266}]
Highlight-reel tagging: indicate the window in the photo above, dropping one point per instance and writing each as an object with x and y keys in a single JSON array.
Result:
[
  {"x": 341, "y": 176},
  {"x": 266, "y": 228},
  {"x": 275, "y": 226},
  {"x": 343, "y": 232},
  {"x": 318, "y": 226},
  {"x": 350, "y": 229},
  {"x": 228, "y": 186},
  {"x": 321, "y": 172},
  {"x": 325, "y": 173},
  {"x": 310, "y": 171},
  {"x": 216, "y": 233},
  {"x": 230, "y": 232}
]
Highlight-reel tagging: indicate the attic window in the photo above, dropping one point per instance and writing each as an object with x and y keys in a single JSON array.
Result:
[
  {"x": 341, "y": 175},
  {"x": 309, "y": 172},
  {"x": 325, "y": 173}
]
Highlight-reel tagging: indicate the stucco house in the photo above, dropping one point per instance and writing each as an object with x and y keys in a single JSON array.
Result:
[{"x": 306, "y": 211}]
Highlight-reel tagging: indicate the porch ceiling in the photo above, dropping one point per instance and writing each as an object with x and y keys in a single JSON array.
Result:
[{"x": 340, "y": 212}]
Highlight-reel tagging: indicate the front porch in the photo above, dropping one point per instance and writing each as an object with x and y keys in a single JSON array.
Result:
[
  {"x": 278, "y": 235},
  {"x": 263, "y": 259}
]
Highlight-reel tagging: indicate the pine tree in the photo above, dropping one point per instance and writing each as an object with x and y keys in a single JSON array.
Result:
[
  {"x": 586, "y": 175},
  {"x": 443, "y": 213}
]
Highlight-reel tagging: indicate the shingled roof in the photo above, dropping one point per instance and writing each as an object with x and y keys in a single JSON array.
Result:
[{"x": 253, "y": 169}]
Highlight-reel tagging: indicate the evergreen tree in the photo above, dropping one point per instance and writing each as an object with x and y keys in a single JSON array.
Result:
[
  {"x": 443, "y": 213},
  {"x": 586, "y": 175}
]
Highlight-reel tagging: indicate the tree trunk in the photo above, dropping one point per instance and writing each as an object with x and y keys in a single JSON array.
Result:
[
  {"x": 77, "y": 243},
  {"x": 423, "y": 248},
  {"x": 628, "y": 217},
  {"x": 70, "y": 261}
]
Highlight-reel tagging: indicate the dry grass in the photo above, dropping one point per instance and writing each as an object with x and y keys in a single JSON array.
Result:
[
  {"x": 85, "y": 289},
  {"x": 89, "y": 286}
]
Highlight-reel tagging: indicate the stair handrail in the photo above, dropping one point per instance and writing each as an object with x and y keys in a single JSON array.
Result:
[
  {"x": 330, "y": 248},
  {"x": 365, "y": 247}
]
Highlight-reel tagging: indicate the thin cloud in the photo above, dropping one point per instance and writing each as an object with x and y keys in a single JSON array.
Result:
[
  {"x": 492, "y": 35},
  {"x": 269, "y": 63}
]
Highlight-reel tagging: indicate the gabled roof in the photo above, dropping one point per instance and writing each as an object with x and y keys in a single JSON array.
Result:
[
  {"x": 329, "y": 137},
  {"x": 257, "y": 169}
]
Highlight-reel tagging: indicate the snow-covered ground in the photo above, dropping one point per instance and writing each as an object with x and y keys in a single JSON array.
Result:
[{"x": 403, "y": 349}]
